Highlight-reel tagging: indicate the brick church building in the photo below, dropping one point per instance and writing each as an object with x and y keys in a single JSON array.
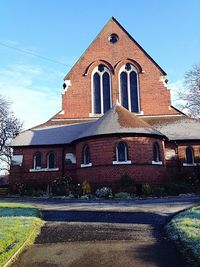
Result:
[{"x": 116, "y": 119}]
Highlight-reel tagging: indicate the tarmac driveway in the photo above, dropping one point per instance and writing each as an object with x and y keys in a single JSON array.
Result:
[{"x": 105, "y": 233}]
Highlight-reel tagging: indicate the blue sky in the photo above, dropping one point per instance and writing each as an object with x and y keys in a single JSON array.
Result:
[{"x": 61, "y": 30}]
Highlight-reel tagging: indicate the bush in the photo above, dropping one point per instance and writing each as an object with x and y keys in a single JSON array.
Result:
[
  {"x": 122, "y": 195},
  {"x": 86, "y": 187},
  {"x": 146, "y": 190},
  {"x": 62, "y": 186},
  {"x": 176, "y": 188},
  {"x": 159, "y": 191},
  {"x": 104, "y": 192}
]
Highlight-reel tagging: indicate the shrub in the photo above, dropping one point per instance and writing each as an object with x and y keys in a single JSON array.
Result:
[
  {"x": 104, "y": 192},
  {"x": 159, "y": 191},
  {"x": 122, "y": 195},
  {"x": 62, "y": 186},
  {"x": 20, "y": 188},
  {"x": 86, "y": 187},
  {"x": 176, "y": 188},
  {"x": 146, "y": 190}
]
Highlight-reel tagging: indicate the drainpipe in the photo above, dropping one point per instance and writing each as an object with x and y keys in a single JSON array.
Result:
[{"x": 63, "y": 161}]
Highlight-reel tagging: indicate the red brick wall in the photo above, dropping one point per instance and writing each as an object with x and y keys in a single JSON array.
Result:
[
  {"x": 102, "y": 152},
  {"x": 104, "y": 173},
  {"x": 154, "y": 96},
  {"x": 182, "y": 149}
]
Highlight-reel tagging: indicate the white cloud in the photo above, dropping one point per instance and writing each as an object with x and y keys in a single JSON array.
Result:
[{"x": 33, "y": 100}]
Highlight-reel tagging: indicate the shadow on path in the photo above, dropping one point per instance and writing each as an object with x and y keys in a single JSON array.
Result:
[{"x": 105, "y": 216}]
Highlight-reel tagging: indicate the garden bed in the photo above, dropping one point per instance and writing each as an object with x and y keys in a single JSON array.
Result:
[{"x": 19, "y": 225}]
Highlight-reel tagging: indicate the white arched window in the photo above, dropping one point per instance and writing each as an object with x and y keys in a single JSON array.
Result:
[
  {"x": 101, "y": 90},
  {"x": 156, "y": 154},
  {"x": 128, "y": 88},
  {"x": 86, "y": 159},
  {"x": 51, "y": 160},
  {"x": 189, "y": 155},
  {"x": 121, "y": 154},
  {"x": 37, "y": 161}
]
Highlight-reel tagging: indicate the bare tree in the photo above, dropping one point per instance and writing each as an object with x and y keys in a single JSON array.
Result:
[
  {"x": 190, "y": 99},
  {"x": 9, "y": 128}
]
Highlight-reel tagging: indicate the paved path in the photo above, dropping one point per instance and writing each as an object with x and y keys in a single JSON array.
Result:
[{"x": 105, "y": 233}]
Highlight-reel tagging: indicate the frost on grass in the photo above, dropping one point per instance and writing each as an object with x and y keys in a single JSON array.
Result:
[
  {"x": 185, "y": 228},
  {"x": 17, "y": 221}
]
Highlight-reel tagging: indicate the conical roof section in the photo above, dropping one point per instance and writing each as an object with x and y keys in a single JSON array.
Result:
[{"x": 119, "y": 120}]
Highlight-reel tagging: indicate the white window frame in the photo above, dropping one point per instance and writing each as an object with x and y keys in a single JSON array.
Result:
[
  {"x": 101, "y": 89},
  {"x": 157, "y": 162},
  {"x": 128, "y": 84},
  {"x": 34, "y": 163},
  {"x": 83, "y": 165},
  {"x": 193, "y": 158},
  {"x": 48, "y": 160},
  {"x": 117, "y": 162}
]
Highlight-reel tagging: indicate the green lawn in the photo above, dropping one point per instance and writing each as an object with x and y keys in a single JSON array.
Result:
[
  {"x": 17, "y": 223},
  {"x": 185, "y": 229}
]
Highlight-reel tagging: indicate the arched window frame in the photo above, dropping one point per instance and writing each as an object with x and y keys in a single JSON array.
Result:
[
  {"x": 123, "y": 69},
  {"x": 85, "y": 161},
  {"x": 118, "y": 161},
  {"x": 156, "y": 154},
  {"x": 48, "y": 160},
  {"x": 37, "y": 166},
  {"x": 96, "y": 70},
  {"x": 187, "y": 161}
]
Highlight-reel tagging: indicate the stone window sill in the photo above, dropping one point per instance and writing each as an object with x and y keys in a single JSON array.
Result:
[
  {"x": 156, "y": 162},
  {"x": 44, "y": 170},
  {"x": 121, "y": 162},
  {"x": 95, "y": 115},
  {"x": 189, "y": 164},
  {"x": 86, "y": 165}
]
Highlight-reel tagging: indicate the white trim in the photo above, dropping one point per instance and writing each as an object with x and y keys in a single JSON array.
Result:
[
  {"x": 68, "y": 83},
  {"x": 34, "y": 163},
  {"x": 86, "y": 165},
  {"x": 126, "y": 153},
  {"x": 101, "y": 89},
  {"x": 189, "y": 164},
  {"x": 163, "y": 115},
  {"x": 44, "y": 170},
  {"x": 76, "y": 119},
  {"x": 157, "y": 162},
  {"x": 48, "y": 159},
  {"x": 91, "y": 115},
  {"x": 128, "y": 85},
  {"x": 115, "y": 162}
]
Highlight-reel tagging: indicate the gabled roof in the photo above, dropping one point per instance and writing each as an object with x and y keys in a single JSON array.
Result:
[
  {"x": 117, "y": 22},
  {"x": 132, "y": 39}
]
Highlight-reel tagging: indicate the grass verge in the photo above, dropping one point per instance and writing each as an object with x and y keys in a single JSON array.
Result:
[
  {"x": 184, "y": 229},
  {"x": 18, "y": 223}
]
